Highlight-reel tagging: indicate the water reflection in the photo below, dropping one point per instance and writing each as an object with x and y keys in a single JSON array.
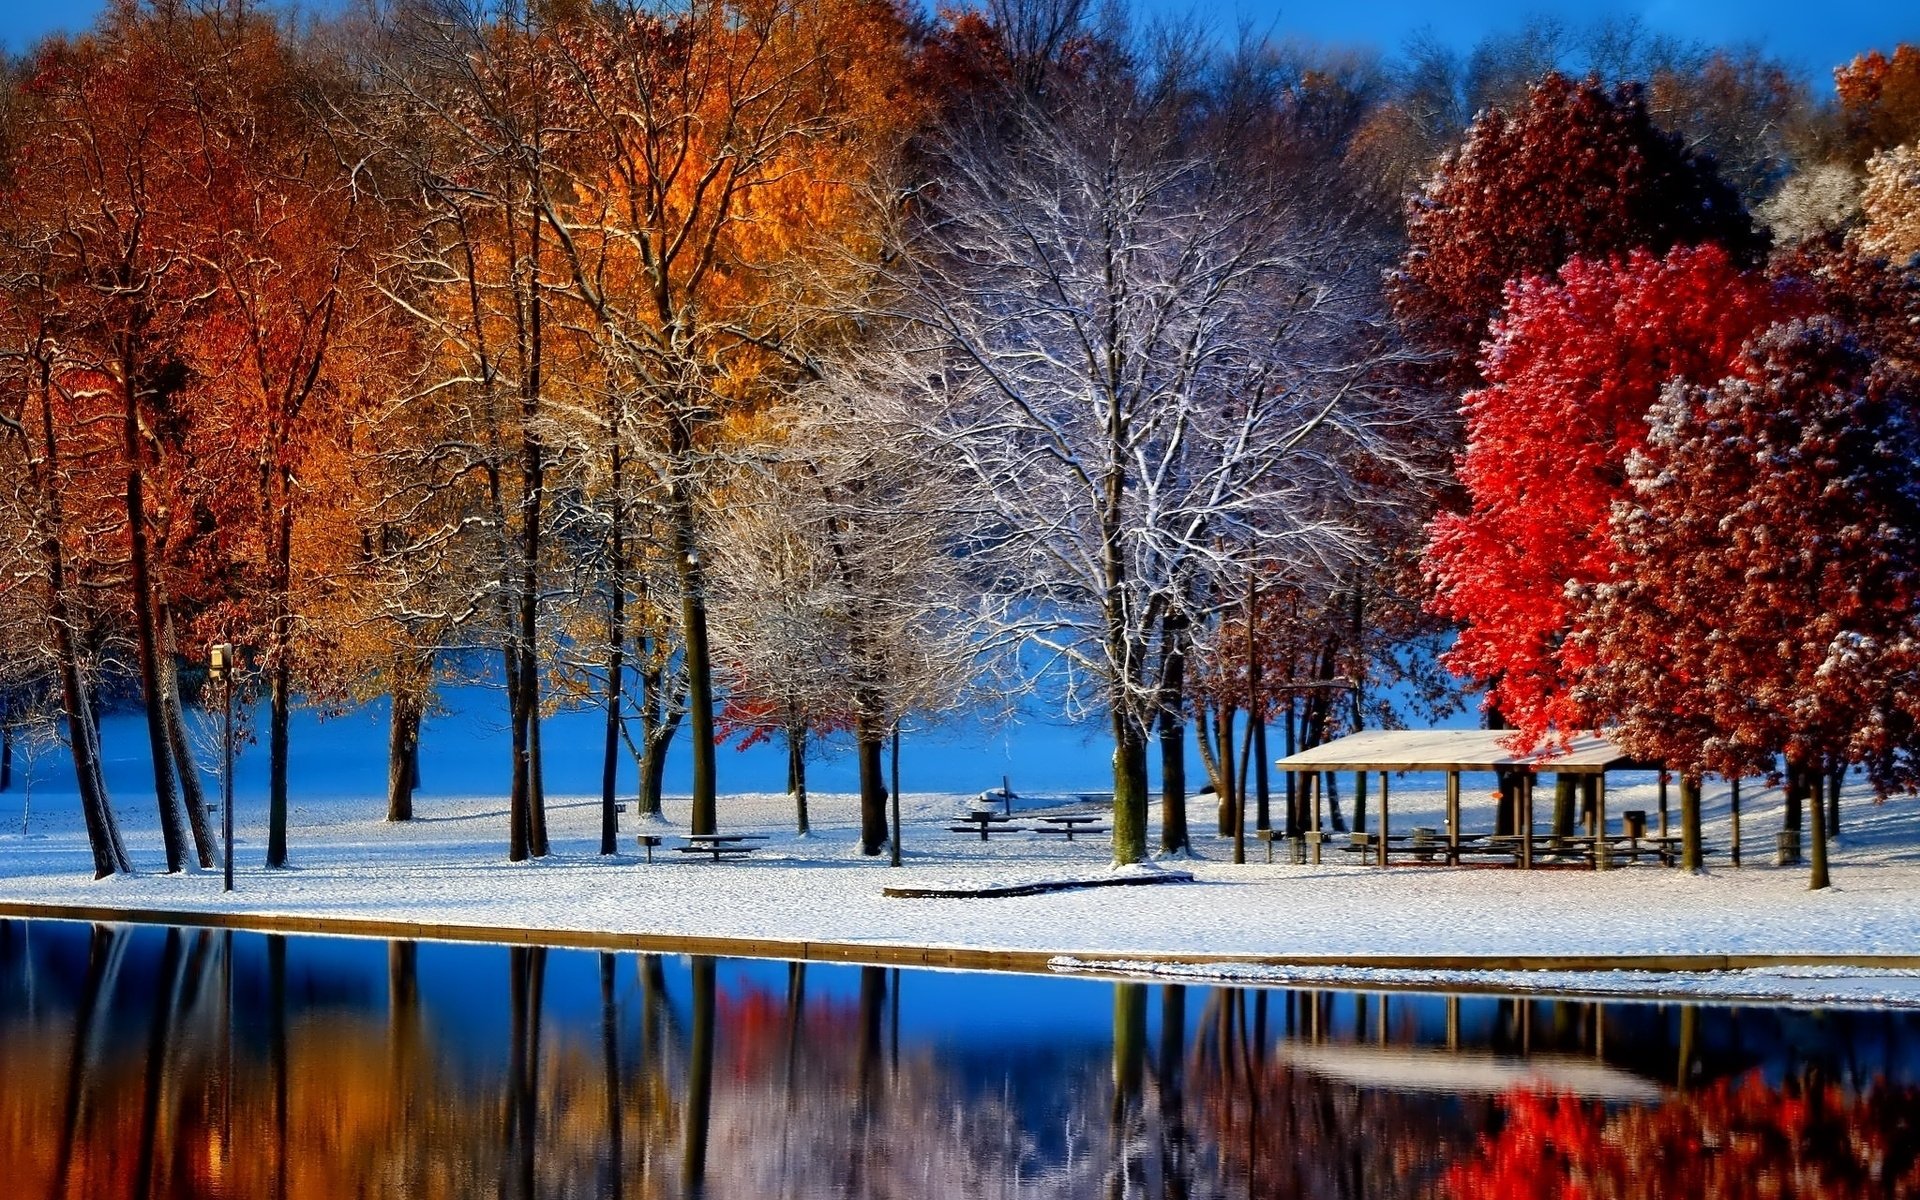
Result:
[{"x": 175, "y": 1063}]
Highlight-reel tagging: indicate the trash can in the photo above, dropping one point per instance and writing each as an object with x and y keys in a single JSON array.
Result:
[
  {"x": 1634, "y": 821},
  {"x": 1788, "y": 843}
]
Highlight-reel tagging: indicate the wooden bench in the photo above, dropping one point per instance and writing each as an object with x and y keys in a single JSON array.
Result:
[{"x": 649, "y": 840}]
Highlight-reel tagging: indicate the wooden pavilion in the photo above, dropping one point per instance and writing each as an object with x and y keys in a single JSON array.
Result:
[{"x": 1454, "y": 752}]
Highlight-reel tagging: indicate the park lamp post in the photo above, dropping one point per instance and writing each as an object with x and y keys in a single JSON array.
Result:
[{"x": 220, "y": 669}]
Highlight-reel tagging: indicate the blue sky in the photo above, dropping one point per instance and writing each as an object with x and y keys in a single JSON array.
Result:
[{"x": 1816, "y": 36}]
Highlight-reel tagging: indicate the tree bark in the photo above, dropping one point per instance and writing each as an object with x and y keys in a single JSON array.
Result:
[
  {"x": 192, "y": 795},
  {"x": 280, "y": 674},
  {"x": 616, "y": 656},
  {"x": 1129, "y": 790},
  {"x": 698, "y": 658},
  {"x": 1563, "y": 806},
  {"x": 403, "y": 734},
  {"x": 173, "y": 832},
  {"x": 1172, "y": 721},
  {"x": 1690, "y": 856},
  {"x": 1228, "y": 795},
  {"x": 870, "y": 738},
  {"x": 103, "y": 827},
  {"x": 1818, "y": 834},
  {"x": 797, "y": 776}
]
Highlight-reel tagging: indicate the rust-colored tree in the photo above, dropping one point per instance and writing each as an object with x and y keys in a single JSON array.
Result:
[
  {"x": 1880, "y": 99},
  {"x": 1769, "y": 550},
  {"x": 1578, "y": 169}
]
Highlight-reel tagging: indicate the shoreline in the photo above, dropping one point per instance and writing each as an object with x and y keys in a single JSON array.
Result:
[{"x": 1501, "y": 974}]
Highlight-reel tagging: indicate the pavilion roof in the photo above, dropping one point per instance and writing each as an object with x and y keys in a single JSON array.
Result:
[{"x": 1454, "y": 750}]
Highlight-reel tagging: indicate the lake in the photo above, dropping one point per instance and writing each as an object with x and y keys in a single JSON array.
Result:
[{"x": 157, "y": 1062}]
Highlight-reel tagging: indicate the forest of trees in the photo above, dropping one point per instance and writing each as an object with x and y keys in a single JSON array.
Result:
[{"x": 788, "y": 368}]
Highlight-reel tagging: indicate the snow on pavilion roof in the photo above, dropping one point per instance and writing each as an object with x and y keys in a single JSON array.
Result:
[{"x": 1452, "y": 750}]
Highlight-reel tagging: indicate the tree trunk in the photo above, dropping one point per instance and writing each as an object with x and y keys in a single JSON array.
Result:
[
  {"x": 518, "y": 827},
  {"x": 280, "y": 690},
  {"x": 873, "y": 788},
  {"x": 1227, "y": 795},
  {"x": 1563, "y": 806},
  {"x": 1818, "y": 854},
  {"x": 797, "y": 776},
  {"x": 403, "y": 738},
  {"x": 616, "y": 632},
  {"x": 173, "y": 832},
  {"x": 1359, "y": 801},
  {"x": 536, "y": 772},
  {"x": 1129, "y": 790},
  {"x": 1796, "y": 794},
  {"x": 1690, "y": 857},
  {"x": 697, "y": 657},
  {"x": 192, "y": 794},
  {"x": 656, "y": 730},
  {"x": 1262, "y": 782},
  {"x": 893, "y": 795},
  {"x": 1174, "y": 838},
  {"x": 103, "y": 827}
]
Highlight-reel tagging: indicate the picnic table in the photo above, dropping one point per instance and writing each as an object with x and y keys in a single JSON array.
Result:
[
  {"x": 721, "y": 845},
  {"x": 1070, "y": 825},
  {"x": 985, "y": 823}
]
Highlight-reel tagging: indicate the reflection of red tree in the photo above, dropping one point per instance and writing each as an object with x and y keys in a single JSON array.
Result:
[
  {"x": 754, "y": 1028},
  {"x": 1738, "y": 1138}
]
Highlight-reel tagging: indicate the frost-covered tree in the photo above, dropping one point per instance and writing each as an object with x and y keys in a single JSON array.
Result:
[
  {"x": 1822, "y": 199},
  {"x": 1890, "y": 201},
  {"x": 1153, "y": 367},
  {"x": 843, "y": 597},
  {"x": 1770, "y": 551}
]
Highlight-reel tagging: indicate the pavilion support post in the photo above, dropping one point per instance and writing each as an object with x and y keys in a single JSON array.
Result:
[
  {"x": 1602, "y": 854},
  {"x": 1453, "y": 817},
  {"x": 1525, "y": 816},
  {"x": 1314, "y": 834},
  {"x": 1382, "y": 858},
  {"x": 1733, "y": 812}
]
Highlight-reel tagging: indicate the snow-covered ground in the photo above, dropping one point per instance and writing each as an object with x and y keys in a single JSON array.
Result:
[{"x": 448, "y": 866}]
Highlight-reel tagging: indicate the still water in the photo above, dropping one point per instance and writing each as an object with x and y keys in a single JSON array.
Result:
[{"x": 172, "y": 1063}]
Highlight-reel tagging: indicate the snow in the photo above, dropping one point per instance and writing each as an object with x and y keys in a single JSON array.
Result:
[
  {"x": 1824, "y": 986},
  {"x": 448, "y": 867}
]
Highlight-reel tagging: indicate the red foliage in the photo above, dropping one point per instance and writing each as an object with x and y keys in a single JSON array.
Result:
[
  {"x": 1573, "y": 369},
  {"x": 1773, "y": 556},
  {"x": 1579, "y": 170},
  {"x": 1737, "y": 1138}
]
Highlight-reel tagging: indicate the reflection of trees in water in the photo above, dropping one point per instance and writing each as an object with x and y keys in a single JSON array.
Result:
[
  {"x": 160, "y": 1064},
  {"x": 1283, "y": 1131},
  {"x": 1734, "y": 1139}
]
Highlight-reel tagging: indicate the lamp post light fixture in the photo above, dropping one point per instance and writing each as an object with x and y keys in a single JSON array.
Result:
[{"x": 220, "y": 669}]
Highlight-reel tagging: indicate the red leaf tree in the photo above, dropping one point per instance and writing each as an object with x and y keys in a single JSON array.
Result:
[
  {"x": 1579, "y": 169},
  {"x": 1573, "y": 369},
  {"x": 1772, "y": 556}
]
